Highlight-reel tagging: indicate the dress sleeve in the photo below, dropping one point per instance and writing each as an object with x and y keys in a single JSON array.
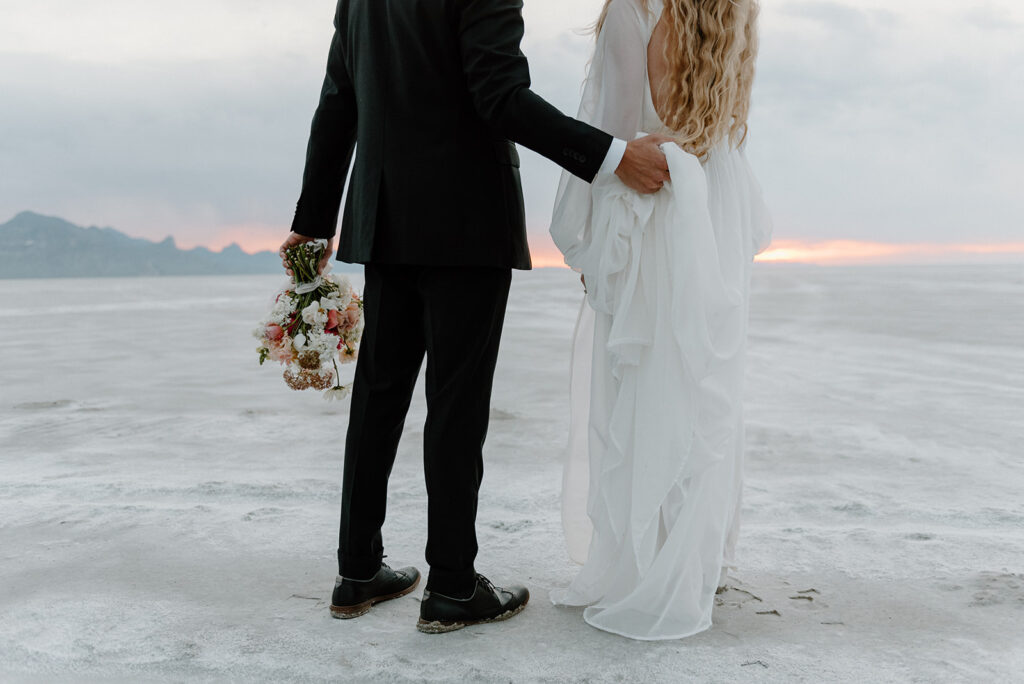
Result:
[
  {"x": 619, "y": 78},
  {"x": 613, "y": 98}
]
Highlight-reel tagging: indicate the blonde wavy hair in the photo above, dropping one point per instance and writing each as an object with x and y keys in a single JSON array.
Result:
[{"x": 710, "y": 48}]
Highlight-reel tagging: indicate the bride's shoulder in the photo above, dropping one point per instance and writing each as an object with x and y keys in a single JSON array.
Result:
[{"x": 626, "y": 11}]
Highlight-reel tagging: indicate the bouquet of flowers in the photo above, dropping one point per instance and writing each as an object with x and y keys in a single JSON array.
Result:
[{"x": 315, "y": 324}]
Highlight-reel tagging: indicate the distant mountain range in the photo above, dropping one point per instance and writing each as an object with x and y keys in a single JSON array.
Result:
[{"x": 35, "y": 246}]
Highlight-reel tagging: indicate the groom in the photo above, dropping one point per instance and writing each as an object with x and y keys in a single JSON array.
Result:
[{"x": 433, "y": 91}]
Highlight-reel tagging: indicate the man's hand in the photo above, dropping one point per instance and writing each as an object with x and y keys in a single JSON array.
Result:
[
  {"x": 644, "y": 167},
  {"x": 296, "y": 239}
]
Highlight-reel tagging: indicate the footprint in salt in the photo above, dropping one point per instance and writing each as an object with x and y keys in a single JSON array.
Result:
[
  {"x": 43, "y": 405},
  {"x": 510, "y": 525},
  {"x": 808, "y": 599},
  {"x": 262, "y": 514},
  {"x": 730, "y": 596},
  {"x": 995, "y": 589}
]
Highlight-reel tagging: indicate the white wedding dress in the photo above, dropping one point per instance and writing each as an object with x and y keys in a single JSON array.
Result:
[{"x": 653, "y": 480}]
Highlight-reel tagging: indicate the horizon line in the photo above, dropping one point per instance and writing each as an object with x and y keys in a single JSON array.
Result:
[
  {"x": 253, "y": 239},
  {"x": 837, "y": 252}
]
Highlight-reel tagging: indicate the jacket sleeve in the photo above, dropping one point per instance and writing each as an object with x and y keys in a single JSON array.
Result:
[
  {"x": 332, "y": 141},
  {"x": 498, "y": 78}
]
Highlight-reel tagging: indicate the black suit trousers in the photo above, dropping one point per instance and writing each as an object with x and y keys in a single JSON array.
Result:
[{"x": 453, "y": 316}]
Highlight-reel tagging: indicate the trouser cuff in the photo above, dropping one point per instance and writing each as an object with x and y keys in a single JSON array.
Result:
[
  {"x": 358, "y": 567},
  {"x": 454, "y": 583}
]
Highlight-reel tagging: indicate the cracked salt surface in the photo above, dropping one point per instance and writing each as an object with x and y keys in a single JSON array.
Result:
[{"x": 160, "y": 518}]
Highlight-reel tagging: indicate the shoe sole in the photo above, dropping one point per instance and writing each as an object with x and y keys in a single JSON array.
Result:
[
  {"x": 444, "y": 627},
  {"x": 349, "y": 612}
]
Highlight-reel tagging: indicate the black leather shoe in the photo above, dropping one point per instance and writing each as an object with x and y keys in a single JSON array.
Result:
[
  {"x": 353, "y": 598},
  {"x": 440, "y": 614}
]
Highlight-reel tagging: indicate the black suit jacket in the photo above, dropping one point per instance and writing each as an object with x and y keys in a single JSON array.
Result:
[{"x": 433, "y": 91}]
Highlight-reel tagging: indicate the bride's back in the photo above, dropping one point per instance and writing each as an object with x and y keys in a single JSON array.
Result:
[
  {"x": 658, "y": 68},
  {"x": 700, "y": 67}
]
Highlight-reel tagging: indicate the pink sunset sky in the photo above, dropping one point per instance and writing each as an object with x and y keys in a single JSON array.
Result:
[{"x": 882, "y": 132}]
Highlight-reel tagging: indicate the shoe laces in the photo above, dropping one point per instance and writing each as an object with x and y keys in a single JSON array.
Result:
[{"x": 487, "y": 583}]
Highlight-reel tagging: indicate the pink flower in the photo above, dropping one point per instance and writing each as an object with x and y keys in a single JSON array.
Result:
[
  {"x": 281, "y": 351},
  {"x": 350, "y": 317},
  {"x": 333, "y": 319},
  {"x": 274, "y": 332}
]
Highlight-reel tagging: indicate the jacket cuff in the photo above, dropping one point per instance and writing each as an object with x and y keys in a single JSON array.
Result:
[{"x": 312, "y": 224}]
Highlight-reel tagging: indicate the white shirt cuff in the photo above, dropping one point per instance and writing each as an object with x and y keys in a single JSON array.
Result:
[{"x": 614, "y": 157}]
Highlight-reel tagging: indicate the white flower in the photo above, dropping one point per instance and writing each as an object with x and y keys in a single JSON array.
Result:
[
  {"x": 336, "y": 393},
  {"x": 342, "y": 300},
  {"x": 299, "y": 341},
  {"x": 343, "y": 283},
  {"x": 341, "y": 297},
  {"x": 314, "y": 315},
  {"x": 321, "y": 342},
  {"x": 282, "y": 310}
]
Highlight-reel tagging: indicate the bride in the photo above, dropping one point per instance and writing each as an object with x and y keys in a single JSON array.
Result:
[{"x": 653, "y": 480}]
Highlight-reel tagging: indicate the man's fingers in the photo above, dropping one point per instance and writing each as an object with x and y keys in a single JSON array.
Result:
[{"x": 328, "y": 253}]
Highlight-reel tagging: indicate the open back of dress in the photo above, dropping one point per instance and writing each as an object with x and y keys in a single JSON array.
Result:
[
  {"x": 654, "y": 471},
  {"x": 657, "y": 65}
]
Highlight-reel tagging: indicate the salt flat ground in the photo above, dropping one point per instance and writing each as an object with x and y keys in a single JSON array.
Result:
[{"x": 168, "y": 509}]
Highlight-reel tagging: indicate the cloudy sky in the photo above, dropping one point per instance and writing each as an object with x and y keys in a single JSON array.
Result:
[{"x": 873, "y": 121}]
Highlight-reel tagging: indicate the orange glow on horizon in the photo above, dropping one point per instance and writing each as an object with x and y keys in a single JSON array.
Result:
[
  {"x": 826, "y": 252},
  {"x": 837, "y": 252},
  {"x": 546, "y": 259},
  {"x": 252, "y": 239},
  {"x": 843, "y": 252}
]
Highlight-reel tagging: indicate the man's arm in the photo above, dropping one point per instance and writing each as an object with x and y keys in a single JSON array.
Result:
[
  {"x": 498, "y": 76},
  {"x": 329, "y": 154}
]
